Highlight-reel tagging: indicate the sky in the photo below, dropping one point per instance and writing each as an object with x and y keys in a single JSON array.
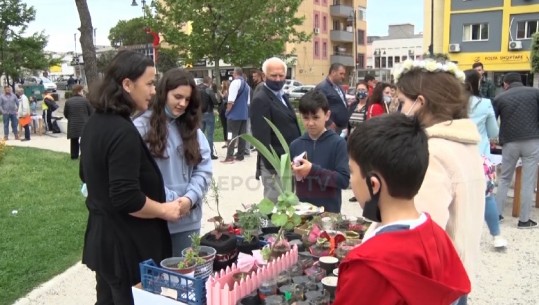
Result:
[{"x": 59, "y": 19}]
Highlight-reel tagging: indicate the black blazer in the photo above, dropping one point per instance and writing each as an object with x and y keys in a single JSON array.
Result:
[
  {"x": 119, "y": 173},
  {"x": 266, "y": 104},
  {"x": 340, "y": 115}
]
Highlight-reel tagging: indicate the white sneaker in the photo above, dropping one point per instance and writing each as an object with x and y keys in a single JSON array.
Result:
[{"x": 499, "y": 242}]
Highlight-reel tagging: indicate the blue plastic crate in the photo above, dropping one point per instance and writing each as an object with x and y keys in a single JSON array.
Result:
[{"x": 189, "y": 290}]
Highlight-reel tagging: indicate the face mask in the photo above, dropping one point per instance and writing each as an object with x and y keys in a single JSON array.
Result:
[
  {"x": 411, "y": 108},
  {"x": 361, "y": 95},
  {"x": 275, "y": 85},
  {"x": 387, "y": 99},
  {"x": 371, "y": 210},
  {"x": 170, "y": 114}
]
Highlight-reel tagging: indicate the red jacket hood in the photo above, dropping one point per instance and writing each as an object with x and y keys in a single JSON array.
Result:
[{"x": 421, "y": 264}]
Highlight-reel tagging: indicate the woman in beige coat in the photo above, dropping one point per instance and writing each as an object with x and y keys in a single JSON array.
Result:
[{"x": 453, "y": 191}]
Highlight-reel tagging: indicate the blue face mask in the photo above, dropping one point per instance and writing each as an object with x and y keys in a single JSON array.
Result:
[
  {"x": 170, "y": 114},
  {"x": 362, "y": 95}
]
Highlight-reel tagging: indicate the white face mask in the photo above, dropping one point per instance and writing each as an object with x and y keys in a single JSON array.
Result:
[
  {"x": 387, "y": 99},
  {"x": 411, "y": 108}
]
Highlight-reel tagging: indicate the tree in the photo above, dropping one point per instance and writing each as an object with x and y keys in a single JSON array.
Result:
[
  {"x": 104, "y": 60},
  {"x": 87, "y": 42},
  {"x": 129, "y": 32},
  {"x": 167, "y": 59},
  {"x": 17, "y": 50},
  {"x": 534, "y": 55},
  {"x": 229, "y": 30}
]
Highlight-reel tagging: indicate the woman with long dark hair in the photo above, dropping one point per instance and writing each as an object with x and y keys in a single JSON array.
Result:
[
  {"x": 171, "y": 130},
  {"x": 482, "y": 114},
  {"x": 222, "y": 109},
  {"x": 127, "y": 221},
  {"x": 379, "y": 101}
]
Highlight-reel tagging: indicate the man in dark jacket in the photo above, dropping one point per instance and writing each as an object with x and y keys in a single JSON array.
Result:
[
  {"x": 488, "y": 90},
  {"x": 77, "y": 111},
  {"x": 518, "y": 109},
  {"x": 271, "y": 103},
  {"x": 209, "y": 100},
  {"x": 331, "y": 87}
]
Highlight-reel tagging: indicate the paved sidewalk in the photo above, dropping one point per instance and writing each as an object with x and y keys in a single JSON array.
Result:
[{"x": 507, "y": 277}]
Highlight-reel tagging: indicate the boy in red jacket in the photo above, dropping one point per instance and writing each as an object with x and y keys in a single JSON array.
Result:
[{"x": 410, "y": 259}]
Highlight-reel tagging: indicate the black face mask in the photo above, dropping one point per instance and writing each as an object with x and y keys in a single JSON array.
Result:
[
  {"x": 275, "y": 85},
  {"x": 371, "y": 210}
]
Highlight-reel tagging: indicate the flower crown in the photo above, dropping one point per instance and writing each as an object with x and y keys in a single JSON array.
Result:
[{"x": 428, "y": 65}]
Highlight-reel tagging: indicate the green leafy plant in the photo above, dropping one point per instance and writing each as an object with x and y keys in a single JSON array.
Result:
[
  {"x": 218, "y": 220},
  {"x": 190, "y": 259},
  {"x": 195, "y": 242},
  {"x": 283, "y": 212},
  {"x": 249, "y": 221}
]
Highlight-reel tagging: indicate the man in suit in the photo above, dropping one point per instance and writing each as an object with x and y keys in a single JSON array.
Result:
[
  {"x": 271, "y": 103},
  {"x": 331, "y": 87}
]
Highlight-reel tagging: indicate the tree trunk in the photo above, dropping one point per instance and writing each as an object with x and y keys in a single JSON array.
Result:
[
  {"x": 87, "y": 42},
  {"x": 536, "y": 80},
  {"x": 217, "y": 72}
]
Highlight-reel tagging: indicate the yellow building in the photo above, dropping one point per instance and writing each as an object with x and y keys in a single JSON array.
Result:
[
  {"x": 496, "y": 33},
  {"x": 334, "y": 33}
]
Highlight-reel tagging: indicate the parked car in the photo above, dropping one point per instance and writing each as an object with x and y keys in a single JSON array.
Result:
[
  {"x": 298, "y": 92},
  {"x": 291, "y": 84},
  {"x": 36, "y": 80},
  {"x": 61, "y": 83}
]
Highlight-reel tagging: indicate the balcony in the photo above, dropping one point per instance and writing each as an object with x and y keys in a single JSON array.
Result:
[
  {"x": 346, "y": 59},
  {"x": 341, "y": 10},
  {"x": 341, "y": 36}
]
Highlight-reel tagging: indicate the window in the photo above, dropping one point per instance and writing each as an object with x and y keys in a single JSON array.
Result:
[
  {"x": 324, "y": 49},
  {"x": 475, "y": 32},
  {"x": 397, "y": 59},
  {"x": 316, "y": 20},
  {"x": 324, "y": 23},
  {"x": 384, "y": 62},
  {"x": 525, "y": 29},
  {"x": 316, "y": 49},
  {"x": 360, "y": 37},
  {"x": 362, "y": 13},
  {"x": 360, "y": 61},
  {"x": 390, "y": 62}
]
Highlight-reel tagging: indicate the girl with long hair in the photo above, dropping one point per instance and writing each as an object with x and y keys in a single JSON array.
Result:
[
  {"x": 379, "y": 101},
  {"x": 481, "y": 112},
  {"x": 171, "y": 130}
]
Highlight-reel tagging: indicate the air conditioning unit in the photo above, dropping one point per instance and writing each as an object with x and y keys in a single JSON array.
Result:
[
  {"x": 454, "y": 48},
  {"x": 316, "y": 30},
  {"x": 515, "y": 45}
]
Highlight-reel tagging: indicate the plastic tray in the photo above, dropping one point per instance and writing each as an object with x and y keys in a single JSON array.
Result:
[{"x": 182, "y": 288}]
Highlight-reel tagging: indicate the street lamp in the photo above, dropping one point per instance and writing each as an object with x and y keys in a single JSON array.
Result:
[{"x": 352, "y": 19}]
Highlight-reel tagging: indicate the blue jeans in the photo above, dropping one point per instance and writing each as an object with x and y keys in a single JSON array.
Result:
[
  {"x": 181, "y": 241},
  {"x": 491, "y": 215},
  {"x": 14, "y": 124},
  {"x": 208, "y": 127}
]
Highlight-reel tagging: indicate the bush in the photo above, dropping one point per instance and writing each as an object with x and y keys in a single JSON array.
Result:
[{"x": 68, "y": 94}]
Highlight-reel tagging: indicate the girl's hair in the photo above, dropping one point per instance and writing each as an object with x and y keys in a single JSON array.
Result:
[
  {"x": 472, "y": 82},
  {"x": 109, "y": 95},
  {"x": 362, "y": 83},
  {"x": 224, "y": 86},
  {"x": 444, "y": 95},
  {"x": 378, "y": 95},
  {"x": 187, "y": 124}
]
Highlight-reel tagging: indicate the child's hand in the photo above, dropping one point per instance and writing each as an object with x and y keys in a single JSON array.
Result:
[{"x": 303, "y": 169}]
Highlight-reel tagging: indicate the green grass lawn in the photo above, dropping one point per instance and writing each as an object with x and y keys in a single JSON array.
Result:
[{"x": 45, "y": 237}]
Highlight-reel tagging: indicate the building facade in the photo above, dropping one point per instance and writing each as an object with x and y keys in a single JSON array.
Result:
[
  {"x": 384, "y": 52},
  {"x": 496, "y": 33},
  {"x": 338, "y": 30}
]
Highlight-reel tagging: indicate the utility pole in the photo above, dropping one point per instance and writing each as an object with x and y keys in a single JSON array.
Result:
[{"x": 431, "y": 47}]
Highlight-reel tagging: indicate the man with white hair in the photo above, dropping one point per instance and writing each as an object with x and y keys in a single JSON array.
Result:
[
  {"x": 24, "y": 113},
  {"x": 271, "y": 103}
]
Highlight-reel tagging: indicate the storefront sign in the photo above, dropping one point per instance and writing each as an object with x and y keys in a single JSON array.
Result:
[{"x": 502, "y": 59}]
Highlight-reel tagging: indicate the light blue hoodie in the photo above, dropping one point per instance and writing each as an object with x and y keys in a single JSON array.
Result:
[
  {"x": 481, "y": 113},
  {"x": 180, "y": 178}
]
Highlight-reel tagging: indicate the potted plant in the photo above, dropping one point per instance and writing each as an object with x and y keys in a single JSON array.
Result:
[
  {"x": 206, "y": 254},
  {"x": 322, "y": 247},
  {"x": 283, "y": 213},
  {"x": 184, "y": 265},
  {"x": 249, "y": 222},
  {"x": 218, "y": 220}
]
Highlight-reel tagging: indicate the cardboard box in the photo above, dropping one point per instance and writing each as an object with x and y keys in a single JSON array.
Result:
[{"x": 143, "y": 297}]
